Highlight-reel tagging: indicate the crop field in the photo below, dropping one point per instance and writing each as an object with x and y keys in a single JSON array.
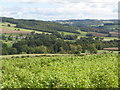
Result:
[{"x": 91, "y": 71}]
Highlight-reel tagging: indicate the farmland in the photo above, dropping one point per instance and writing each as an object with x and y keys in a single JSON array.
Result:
[
  {"x": 91, "y": 71},
  {"x": 98, "y": 34},
  {"x": 6, "y": 29},
  {"x": 20, "y": 36},
  {"x": 12, "y": 29},
  {"x": 15, "y": 29},
  {"x": 110, "y": 38},
  {"x": 43, "y": 54}
]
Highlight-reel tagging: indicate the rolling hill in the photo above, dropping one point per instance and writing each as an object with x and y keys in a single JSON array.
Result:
[{"x": 43, "y": 26}]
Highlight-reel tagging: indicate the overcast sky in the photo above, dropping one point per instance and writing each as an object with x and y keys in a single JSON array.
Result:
[{"x": 59, "y": 9}]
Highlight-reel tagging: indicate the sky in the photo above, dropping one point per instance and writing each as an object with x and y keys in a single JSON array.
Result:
[{"x": 49, "y": 10}]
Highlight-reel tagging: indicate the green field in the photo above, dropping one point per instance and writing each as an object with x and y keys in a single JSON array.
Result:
[
  {"x": 82, "y": 33},
  {"x": 68, "y": 33},
  {"x": 111, "y": 26},
  {"x": 110, "y": 38},
  {"x": 12, "y": 27},
  {"x": 91, "y": 71}
]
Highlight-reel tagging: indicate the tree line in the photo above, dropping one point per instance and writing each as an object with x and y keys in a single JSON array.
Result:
[{"x": 55, "y": 43}]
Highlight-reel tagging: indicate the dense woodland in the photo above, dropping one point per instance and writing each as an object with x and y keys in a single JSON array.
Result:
[{"x": 55, "y": 43}]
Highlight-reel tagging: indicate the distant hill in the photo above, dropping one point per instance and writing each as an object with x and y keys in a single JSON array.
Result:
[
  {"x": 87, "y": 22},
  {"x": 71, "y": 26},
  {"x": 44, "y": 26},
  {"x": 92, "y": 25}
]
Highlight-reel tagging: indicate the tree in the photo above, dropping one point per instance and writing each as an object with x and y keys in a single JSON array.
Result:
[
  {"x": 32, "y": 33},
  {"x": 18, "y": 29},
  {"x": 109, "y": 35},
  {"x": 3, "y": 37},
  {"x": 57, "y": 34},
  {"x": 41, "y": 49},
  {"x": 92, "y": 49},
  {"x": 31, "y": 50},
  {"x": 89, "y": 34},
  {"x": 12, "y": 51},
  {"x": 4, "y": 51},
  {"x": 75, "y": 49},
  {"x": 62, "y": 51},
  {"x": 8, "y": 25}
]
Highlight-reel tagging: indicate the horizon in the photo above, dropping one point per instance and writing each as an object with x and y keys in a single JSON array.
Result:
[
  {"x": 47, "y": 10},
  {"x": 59, "y": 19}
]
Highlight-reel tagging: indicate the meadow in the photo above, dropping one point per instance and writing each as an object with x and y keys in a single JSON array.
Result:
[{"x": 90, "y": 71}]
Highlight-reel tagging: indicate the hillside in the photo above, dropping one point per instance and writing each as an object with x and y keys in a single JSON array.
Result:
[
  {"x": 106, "y": 25},
  {"x": 88, "y": 22},
  {"x": 43, "y": 26},
  {"x": 103, "y": 28}
]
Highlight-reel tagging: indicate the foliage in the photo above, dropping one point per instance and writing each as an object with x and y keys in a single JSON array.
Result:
[
  {"x": 94, "y": 71},
  {"x": 55, "y": 43}
]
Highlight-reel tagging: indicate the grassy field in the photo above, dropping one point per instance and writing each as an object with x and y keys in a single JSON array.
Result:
[
  {"x": 110, "y": 38},
  {"x": 12, "y": 27},
  {"x": 111, "y": 26},
  {"x": 33, "y": 55},
  {"x": 82, "y": 33},
  {"x": 91, "y": 71},
  {"x": 108, "y": 22},
  {"x": 106, "y": 51},
  {"x": 67, "y": 33}
]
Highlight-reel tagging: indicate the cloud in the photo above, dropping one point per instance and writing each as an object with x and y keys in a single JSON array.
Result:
[
  {"x": 62, "y": 1},
  {"x": 65, "y": 9}
]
